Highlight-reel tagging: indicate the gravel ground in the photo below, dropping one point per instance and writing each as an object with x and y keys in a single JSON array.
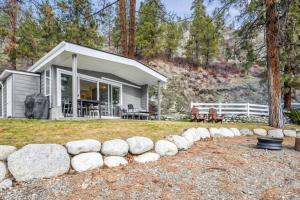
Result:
[{"x": 228, "y": 168}]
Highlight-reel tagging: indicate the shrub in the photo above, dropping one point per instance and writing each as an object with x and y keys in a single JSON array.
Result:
[{"x": 294, "y": 116}]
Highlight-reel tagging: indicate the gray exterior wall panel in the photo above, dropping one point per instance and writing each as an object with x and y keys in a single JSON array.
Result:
[{"x": 23, "y": 85}]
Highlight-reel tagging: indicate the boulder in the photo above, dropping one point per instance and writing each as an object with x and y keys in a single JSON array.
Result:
[
  {"x": 165, "y": 148},
  {"x": 87, "y": 161},
  {"x": 5, "y": 184},
  {"x": 139, "y": 145},
  {"x": 203, "y": 132},
  {"x": 114, "y": 161},
  {"x": 83, "y": 146},
  {"x": 215, "y": 132},
  {"x": 189, "y": 136},
  {"x": 246, "y": 131},
  {"x": 276, "y": 133},
  {"x": 116, "y": 147},
  {"x": 5, "y": 151},
  {"x": 260, "y": 131},
  {"x": 289, "y": 133},
  {"x": 197, "y": 135},
  {"x": 3, "y": 170},
  {"x": 38, "y": 161},
  {"x": 146, "y": 157},
  {"x": 179, "y": 141},
  {"x": 235, "y": 131},
  {"x": 226, "y": 132}
]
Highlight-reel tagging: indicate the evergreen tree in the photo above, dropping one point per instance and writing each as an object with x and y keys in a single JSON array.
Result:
[
  {"x": 172, "y": 34},
  {"x": 151, "y": 13},
  {"x": 79, "y": 24},
  {"x": 29, "y": 34},
  {"x": 51, "y": 30},
  {"x": 203, "y": 40}
]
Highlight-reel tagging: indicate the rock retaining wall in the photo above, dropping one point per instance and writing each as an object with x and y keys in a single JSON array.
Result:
[
  {"x": 246, "y": 119},
  {"x": 35, "y": 161}
]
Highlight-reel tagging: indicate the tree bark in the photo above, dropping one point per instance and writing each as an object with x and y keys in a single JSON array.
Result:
[
  {"x": 275, "y": 111},
  {"x": 131, "y": 45},
  {"x": 12, "y": 12},
  {"x": 123, "y": 31}
]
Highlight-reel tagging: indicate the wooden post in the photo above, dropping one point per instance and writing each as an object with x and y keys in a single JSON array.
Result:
[
  {"x": 220, "y": 108},
  {"x": 158, "y": 100},
  {"x": 74, "y": 85}
]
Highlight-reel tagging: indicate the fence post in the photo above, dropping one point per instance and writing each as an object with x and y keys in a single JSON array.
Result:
[
  {"x": 248, "y": 110},
  {"x": 220, "y": 108}
]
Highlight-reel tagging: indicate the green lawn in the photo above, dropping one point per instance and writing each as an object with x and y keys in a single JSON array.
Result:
[{"x": 20, "y": 132}]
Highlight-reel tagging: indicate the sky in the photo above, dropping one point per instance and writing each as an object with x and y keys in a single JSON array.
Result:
[{"x": 182, "y": 7}]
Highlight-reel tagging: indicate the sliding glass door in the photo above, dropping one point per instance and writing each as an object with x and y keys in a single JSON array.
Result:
[
  {"x": 90, "y": 90},
  {"x": 116, "y": 101},
  {"x": 104, "y": 99}
]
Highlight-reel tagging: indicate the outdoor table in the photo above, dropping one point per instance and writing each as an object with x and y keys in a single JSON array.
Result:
[{"x": 88, "y": 101}]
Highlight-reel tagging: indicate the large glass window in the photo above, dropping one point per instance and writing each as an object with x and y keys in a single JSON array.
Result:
[
  {"x": 88, "y": 90},
  {"x": 66, "y": 87}
]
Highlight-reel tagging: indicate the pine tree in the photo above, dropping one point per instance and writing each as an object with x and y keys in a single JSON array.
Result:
[
  {"x": 11, "y": 48},
  {"x": 276, "y": 118},
  {"x": 123, "y": 25},
  {"x": 79, "y": 24},
  {"x": 51, "y": 30},
  {"x": 172, "y": 34},
  {"x": 131, "y": 40},
  {"x": 203, "y": 40},
  {"x": 29, "y": 34},
  {"x": 151, "y": 13}
]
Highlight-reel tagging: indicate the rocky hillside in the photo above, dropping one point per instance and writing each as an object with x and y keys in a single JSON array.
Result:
[{"x": 220, "y": 82}]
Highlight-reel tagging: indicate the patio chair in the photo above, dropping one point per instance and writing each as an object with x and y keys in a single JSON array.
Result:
[
  {"x": 130, "y": 111},
  {"x": 213, "y": 116},
  {"x": 196, "y": 117}
]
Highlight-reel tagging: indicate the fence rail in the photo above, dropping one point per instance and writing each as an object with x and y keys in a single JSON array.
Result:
[{"x": 237, "y": 108}]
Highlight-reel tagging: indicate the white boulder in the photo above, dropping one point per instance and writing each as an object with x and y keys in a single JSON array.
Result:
[
  {"x": 38, "y": 161},
  {"x": 179, "y": 141},
  {"x": 83, "y": 146},
  {"x": 87, "y": 161},
  {"x": 235, "y": 131},
  {"x": 215, "y": 132},
  {"x": 289, "y": 133},
  {"x": 115, "y": 161},
  {"x": 189, "y": 136},
  {"x": 5, "y": 151},
  {"x": 260, "y": 131},
  {"x": 203, "y": 132},
  {"x": 226, "y": 132},
  {"x": 139, "y": 145},
  {"x": 276, "y": 133},
  {"x": 116, "y": 147},
  {"x": 146, "y": 157},
  {"x": 165, "y": 148},
  {"x": 3, "y": 170},
  {"x": 246, "y": 131},
  {"x": 5, "y": 184}
]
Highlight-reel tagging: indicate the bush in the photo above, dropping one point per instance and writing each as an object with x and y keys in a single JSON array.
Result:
[{"x": 294, "y": 116}]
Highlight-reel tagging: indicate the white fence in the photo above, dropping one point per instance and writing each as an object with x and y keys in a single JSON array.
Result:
[{"x": 237, "y": 108}]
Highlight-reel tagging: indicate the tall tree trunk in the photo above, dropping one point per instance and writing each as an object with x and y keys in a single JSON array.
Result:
[
  {"x": 131, "y": 45},
  {"x": 12, "y": 12},
  {"x": 276, "y": 117},
  {"x": 123, "y": 31}
]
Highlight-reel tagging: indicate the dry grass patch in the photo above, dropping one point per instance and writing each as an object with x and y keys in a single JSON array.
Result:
[{"x": 20, "y": 132}]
